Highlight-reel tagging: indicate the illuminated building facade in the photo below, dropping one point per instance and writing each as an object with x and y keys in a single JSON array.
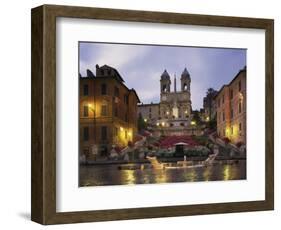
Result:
[
  {"x": 231, "y": 109},
  {"x": 108, "y": 111},
  {"x": 173, "y": 114}
]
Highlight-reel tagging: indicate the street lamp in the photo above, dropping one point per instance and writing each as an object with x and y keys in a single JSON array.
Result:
[
  {"x": 193, "y": 124},
  {"x": 94, "y": 123}
]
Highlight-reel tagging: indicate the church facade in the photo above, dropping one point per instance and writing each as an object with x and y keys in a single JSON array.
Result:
[{"x": 173, "y": 114}]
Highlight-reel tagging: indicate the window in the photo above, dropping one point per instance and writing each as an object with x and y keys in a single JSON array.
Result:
[
  {"x": 116, "y": 112},
  {"x": 231, "y": 130},
  {"x": 102, "y": 72},
  {"x": 86, "y": 133},
  {"x": 104, "y": 110},
  {"x": 223, "y": 116},
  {"x": 103, "y": 133},
  {"x": 103, "y": 89},
  {"x": 116, "y": 91},
  {"x": 223, "y": 98},
  {"x": 150, "y": 116},
  {"x": 164, "y": 88},
  {"x": 219, "y": 102},
  {"x": 240, "y": 127},
  {"x": 86, "y": 111},
  {"x": 231, "y": 94},
  {"x": 126, "y": 134},
  {"x": 239, "y": 86},
  {"x": 85, "y": 90},
  {"x": 126, "y": 99},
  {"x": 240, "y": 106},
  {"x": 150, "y": 110},
  {"x": 231, "y": 113}
]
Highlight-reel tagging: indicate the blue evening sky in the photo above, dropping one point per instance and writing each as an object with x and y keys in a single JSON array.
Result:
[{"x": 142, "y": 65}]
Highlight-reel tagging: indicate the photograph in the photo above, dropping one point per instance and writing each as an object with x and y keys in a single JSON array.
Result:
[
  {"x": 155, "y": 104},
  {"x": 151, "y": 114}
]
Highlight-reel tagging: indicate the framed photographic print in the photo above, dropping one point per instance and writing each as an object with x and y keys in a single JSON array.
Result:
[{"x": 141, "y": 114}]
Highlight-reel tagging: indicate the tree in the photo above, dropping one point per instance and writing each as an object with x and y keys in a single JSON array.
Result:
[
  {"x": 212, "y": 124},
  {"x": 141, "y": 123},
  {"x": 209, "y": 100},
  {"x": 196, "y": 117}
]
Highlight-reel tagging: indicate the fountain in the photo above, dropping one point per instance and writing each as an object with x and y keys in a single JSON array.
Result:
[{"x": 181, "y": 164}]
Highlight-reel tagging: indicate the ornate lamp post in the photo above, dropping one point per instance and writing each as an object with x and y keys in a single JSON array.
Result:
[
  {"x": 193, "y": 124},
  {"x": 94, "y": 147}
]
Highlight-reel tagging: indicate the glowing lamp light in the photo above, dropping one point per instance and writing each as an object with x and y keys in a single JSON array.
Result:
[
  {"x": 163, "y": 123},
  {"x": 193, "y": 122},
  {"x": 167, "y": 112},
  {"x": 121, "y": 128},
  {"x": 130, "y": 134},
  {"x": 207, "y": 118},
  {"x": 157, "y": 123},
  {"x": 145, "y": 120}
]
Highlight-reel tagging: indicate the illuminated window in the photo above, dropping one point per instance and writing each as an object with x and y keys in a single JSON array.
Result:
[
  {"x": 231, "y": 130},
  {"x": 126, "y": 134},
  {"x": 86, "y": 111}
]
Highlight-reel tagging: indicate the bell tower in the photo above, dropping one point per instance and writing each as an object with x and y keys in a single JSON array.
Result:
[
  {"x": 165, "y": 82},
  {"x": 185, "y": 81}
]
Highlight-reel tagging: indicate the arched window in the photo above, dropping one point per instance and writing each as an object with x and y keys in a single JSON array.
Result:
[
  {"x": 164, "y": 88},
  {"x": 184, "y": 86}
]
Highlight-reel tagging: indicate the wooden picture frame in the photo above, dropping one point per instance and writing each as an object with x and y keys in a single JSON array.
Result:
[{"x": 43, "y": 208}]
